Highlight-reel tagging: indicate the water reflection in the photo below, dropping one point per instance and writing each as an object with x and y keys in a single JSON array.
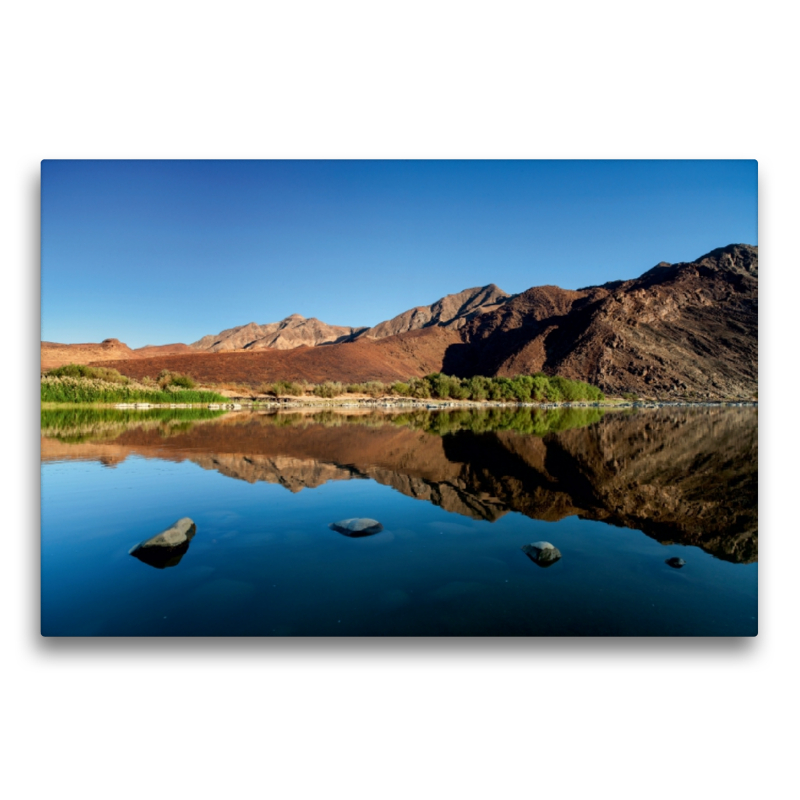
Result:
[
  {"x": 679, "y": 475},
  {"x": 357, "y": 528},
  {"x": 76, "y": 425}
]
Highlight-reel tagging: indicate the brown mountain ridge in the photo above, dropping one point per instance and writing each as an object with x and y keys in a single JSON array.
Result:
[
  {"x": 452, "y": 311},
  {"x": 687, "y": 330}
]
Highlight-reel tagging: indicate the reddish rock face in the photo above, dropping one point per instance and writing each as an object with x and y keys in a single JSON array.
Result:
[
  {"x": 679, "y": 331},
  {"x": 452, "y": 311}
]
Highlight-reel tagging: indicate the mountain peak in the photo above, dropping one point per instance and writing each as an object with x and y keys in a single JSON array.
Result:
[
  {"x": 450, "y": 311},
  {"x": 292, "y": 331}
]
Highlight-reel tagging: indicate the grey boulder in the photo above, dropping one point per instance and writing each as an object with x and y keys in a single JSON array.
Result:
[
  {"x": 675, "y": 562},
  {"x": 356, "y": 527},
  {"x": 543, "y": 554},
  {"x": 167, "y": 548}
]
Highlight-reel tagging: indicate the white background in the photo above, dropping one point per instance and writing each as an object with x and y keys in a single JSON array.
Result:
[{"x": 483, "y": 718}]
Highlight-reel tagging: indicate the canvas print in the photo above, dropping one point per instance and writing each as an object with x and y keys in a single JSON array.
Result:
[{"x": 399, "y": 398}]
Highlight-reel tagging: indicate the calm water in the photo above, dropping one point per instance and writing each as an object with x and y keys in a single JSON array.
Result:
[{"x": 458, "y": 494}]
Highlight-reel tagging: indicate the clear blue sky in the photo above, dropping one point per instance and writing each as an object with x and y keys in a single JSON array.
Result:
[{"x": 155, "y": 252}]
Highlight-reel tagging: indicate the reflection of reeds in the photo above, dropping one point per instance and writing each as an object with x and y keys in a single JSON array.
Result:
[
  {"x": 77, "y": 425},
  {"x": 534, "y": 421}
]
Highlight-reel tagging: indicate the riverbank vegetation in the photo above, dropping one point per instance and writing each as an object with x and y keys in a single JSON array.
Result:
[
  {"x": 77, "y": 383},
  {"x": 538, "y": 388}
]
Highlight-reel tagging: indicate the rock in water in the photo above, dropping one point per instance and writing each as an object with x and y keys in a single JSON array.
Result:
[
  {"x": 542, "y": 554},
  {"x": 356, "y": 527},
  {"x": 675, "y": 562},
  {"x": 168, "y": 547}
]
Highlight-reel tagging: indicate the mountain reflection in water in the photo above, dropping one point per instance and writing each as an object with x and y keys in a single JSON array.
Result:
[{"x": 680, "y": 475}]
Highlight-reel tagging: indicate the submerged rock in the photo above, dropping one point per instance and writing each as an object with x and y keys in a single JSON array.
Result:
[
  {"x": 675, "y": 562},
  {"x": 357, "y": 526},
  {"x": 167, "y": 548},
  {"x": 543, "y": 554}
]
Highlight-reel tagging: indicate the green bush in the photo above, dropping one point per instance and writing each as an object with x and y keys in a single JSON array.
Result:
[
  {"x": 478, "y": 387},
  {"x": 287, "y": 387},
  {"x": 167, "y": 379},
  {"x": 419, "y": 388},
  {"x": 328, "y": 389},
  {"x": 93, "y": 373},
  {"x": 182, "y": 381},
  {"x": 401, "y": 389},
  {"x": 521, "y": 389},
  {"x": 374, "y": 388}
]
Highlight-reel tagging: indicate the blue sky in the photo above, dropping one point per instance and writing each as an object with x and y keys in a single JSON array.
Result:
[{"x": 155, "y": 252}]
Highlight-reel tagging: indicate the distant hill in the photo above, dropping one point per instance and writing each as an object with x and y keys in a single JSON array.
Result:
[
  {"x": 687, "y": 330},
  {"x": 293, "y": 331},
  {"x": 56, "y": 355},
  {"x": 161, "y": 350}
]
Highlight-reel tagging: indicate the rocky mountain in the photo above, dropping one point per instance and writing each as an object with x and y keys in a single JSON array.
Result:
[
  {"x": 452, "y": 311},
  {"x": 681, "y": 331},
  {"x": 293, "y": 331}
]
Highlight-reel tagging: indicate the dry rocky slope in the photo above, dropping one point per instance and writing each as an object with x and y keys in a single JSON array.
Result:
[
  {"x": 688, "y": 329},
  {"x": 452, "y": 311},
  {"x": 680, "y": 331}
]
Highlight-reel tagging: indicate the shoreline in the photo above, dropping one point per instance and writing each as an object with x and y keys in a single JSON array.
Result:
[{"x": 242, "y": 404}]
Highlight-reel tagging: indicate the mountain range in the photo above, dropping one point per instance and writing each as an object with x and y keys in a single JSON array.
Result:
[
  {"x": 452, "y": 311},
  {"x": 685, "y": 330}
]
